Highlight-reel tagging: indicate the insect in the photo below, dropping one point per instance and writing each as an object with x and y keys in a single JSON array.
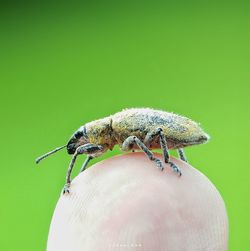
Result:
[{"x": 135, "y": 128}]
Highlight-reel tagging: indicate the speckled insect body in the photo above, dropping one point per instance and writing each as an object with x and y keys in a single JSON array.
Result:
[{"x": 137, "y": 128}]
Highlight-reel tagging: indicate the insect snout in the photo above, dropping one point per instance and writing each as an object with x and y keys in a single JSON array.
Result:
[
  {"x": 71, "y": 148},
  {"x": 72, "y": 144},
  {"x": 77, "y": 139}
]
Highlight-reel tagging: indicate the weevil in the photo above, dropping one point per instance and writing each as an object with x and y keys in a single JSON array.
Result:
[{"x": 136, "y": 128}]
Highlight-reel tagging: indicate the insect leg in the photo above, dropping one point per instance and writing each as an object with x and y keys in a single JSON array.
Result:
[
  {"x": 84, "y": 165},
  {"x": 84, "y": 149},
  {"x": 71, "y": 165},
  {"x": 163, "y": 142},
  {"x": 129, "y": 143},
  {"x": 151, "y": 137},
  {"x": 182, "y": 155},
  {"x": 164, "y": 147}
]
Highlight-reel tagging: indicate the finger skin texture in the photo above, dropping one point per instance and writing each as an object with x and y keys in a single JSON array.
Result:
[{"x": 126, "y": 203}]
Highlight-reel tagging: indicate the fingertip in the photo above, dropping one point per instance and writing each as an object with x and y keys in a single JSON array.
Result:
[{"x": 127, "y": 199}]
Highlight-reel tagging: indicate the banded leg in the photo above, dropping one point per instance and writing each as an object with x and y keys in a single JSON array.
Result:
[
  {"x": 163, "y": 142},
  {"x": 182, "y": 155},
  {"x": 132, "y": 140},
  {"x": 84, "y": 165},
  {"x": 84, "y": 149}
]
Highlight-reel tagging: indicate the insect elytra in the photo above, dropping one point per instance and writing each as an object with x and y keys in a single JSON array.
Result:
[{"x": 135, "y": 128}]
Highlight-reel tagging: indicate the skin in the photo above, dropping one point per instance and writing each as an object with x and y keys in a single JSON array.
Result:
[{"x": 126, "y": 203}]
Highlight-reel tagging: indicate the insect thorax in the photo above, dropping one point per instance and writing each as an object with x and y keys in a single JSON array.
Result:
[{"x": 100, "y": 132}]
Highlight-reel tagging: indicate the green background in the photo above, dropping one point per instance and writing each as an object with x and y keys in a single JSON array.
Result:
[{"x": 64, "y": 65}]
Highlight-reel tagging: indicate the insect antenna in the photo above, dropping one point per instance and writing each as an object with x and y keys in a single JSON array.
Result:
[{"x": 49, "y": 153}]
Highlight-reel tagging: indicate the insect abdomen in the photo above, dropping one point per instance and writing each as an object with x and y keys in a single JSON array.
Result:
[{"x": 180, "y": 130}]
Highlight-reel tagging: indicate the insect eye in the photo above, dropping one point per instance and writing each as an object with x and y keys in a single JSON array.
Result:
[{"x": 78, "y": 134}]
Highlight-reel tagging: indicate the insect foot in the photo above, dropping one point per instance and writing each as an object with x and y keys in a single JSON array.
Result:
[
  {"x": 175, "y": 168},
  {"x": 66, "y": 188}
]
